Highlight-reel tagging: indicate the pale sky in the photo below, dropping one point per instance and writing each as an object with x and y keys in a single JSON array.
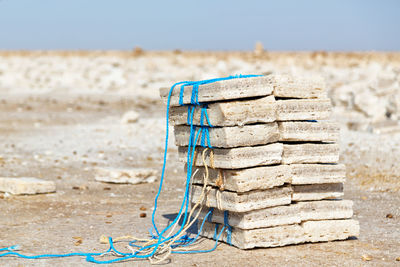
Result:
[{"x": 200, "y": 25}]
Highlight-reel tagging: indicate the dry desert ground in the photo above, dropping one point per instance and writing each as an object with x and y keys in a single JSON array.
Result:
[{"x": 61, "y": 119}]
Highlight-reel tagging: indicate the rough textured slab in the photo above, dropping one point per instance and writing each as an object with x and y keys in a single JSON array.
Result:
[
  {"x": 126, "y": 176},
  {"x": 263, "y": 237},
  {"x": 317, "y": 173},
  {"x": 248, "y": 135},
  {"x": 318, "y": 231},
  {"x": 284, "y": 215},
  {"x": 324, "y": 131},
  {"x": 222, "y": 90},
  {"x": 325, "y": 210},
  {"x": 311, "y": 231},
  {"x": 244, "y": 180},
  {"x": 278, "y": 85},
  {"x": 303, "y": 109},
  {"x": 232, "y": 113},
  {"x": 310, "y": 153},
  {"x": 241, "y": 157},
  {"x": 317, "y": 192},
  {"x": 26, "y": 185},
  {"x": 241, "y": 202},
  {"x": 298, "y": 87},
  {"x": 262, "y": 110},
  {"x": 260, "y": 134}
]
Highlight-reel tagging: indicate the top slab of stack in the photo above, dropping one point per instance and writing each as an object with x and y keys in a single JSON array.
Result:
[{"x": 277, "y": 85}]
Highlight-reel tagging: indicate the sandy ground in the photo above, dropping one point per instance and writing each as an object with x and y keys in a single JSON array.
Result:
[{"x": 64, "y": 138}]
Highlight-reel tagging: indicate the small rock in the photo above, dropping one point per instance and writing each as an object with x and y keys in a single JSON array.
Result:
[
  {"x": 26, "y": 185},
  {"x": 389, "y": 215},
  {"x": 398, "y": 259},
  {"x": 126, "y": 176},
  {"x": 366, "y": 257},
  {"x": 81, "y": 187},
  {"x": 78, "y": 241},
  {"x": 130, "y": 117},
  {"x": 143, "y": 215},
  {"x": 103, "y": 239},
  {"x": 143, "y": 208}
]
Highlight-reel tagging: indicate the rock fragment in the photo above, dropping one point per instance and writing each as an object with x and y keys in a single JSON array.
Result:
[
  {"x": 26, "y": 185},
  {"x": 126, "y": 175}
]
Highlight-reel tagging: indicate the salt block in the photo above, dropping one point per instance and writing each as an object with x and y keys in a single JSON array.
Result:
[
  {"x": 237, "y": 158},
  {"x": 261, "y": 110},
  {"x": 329, "y": 230},
  {"x": 241, "y": 202},
  {"x": 222, "y": 90},
  {"x": 310, "y": 231},
  {"x": 262, "y": 237},
  {"x": 303, "y": 109},
  {"x": 298, "y": 87},
  {"x": 225, "y": 137},
  {"x": 317, "y": 192},
  {"x": 317, "y": 173},
  {"x": 325, "y": 210},
  {"x": 323, "y": 131},
  {"x": 126, "y": 175},
  {"x": 284, "y": 215},
  {"x": 232, "y": 113},
  {"x": 310, "y": 153},
  {"x": 26, "y": 185},
  {"x": 243, "y": 180}
]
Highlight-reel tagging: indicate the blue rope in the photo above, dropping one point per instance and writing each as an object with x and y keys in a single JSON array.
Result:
[
  {"x": 185, "y": 240},
  {"x": 216, "y": 231},
  {"x": 228, "y": 228},
  {"x": 211, "y": 210}
]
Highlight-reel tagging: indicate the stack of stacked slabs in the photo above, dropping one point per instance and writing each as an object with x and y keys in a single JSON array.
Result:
[{"x": 274, "y": 163}]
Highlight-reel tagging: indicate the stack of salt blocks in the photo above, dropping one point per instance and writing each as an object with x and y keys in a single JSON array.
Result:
[{"x": 275, "y": 161}]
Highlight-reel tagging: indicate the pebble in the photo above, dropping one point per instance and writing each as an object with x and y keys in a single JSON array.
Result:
[
  {"x": 78, "y": 240},
  {"x": 366, "y": 257}
]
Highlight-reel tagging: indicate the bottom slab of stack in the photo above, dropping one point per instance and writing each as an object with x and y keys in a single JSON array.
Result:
[{"x": 309, "y": 231}]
